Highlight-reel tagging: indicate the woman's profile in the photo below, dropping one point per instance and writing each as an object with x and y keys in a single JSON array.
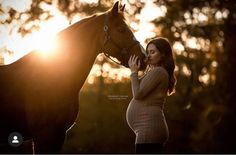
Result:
[{"x": 145, "y": 114}]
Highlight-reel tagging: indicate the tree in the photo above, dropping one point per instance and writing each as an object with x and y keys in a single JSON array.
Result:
[
  {"x": 211, "y": 24},
  {"x": 202, "y": 113}
]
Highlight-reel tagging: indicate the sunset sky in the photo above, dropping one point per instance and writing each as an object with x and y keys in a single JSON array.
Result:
[{"x": 42, "y": 39}]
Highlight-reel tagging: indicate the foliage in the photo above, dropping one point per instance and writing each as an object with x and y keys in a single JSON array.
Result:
[{"x": 201, "y": 114}]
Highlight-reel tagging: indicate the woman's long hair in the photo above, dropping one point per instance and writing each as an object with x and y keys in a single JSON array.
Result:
[{"x": 163, "y": 45}]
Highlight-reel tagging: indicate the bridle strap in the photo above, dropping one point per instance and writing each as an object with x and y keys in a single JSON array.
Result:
[
  {"x": 107, "y": 39},
  {"x": 109, "y": 57}
]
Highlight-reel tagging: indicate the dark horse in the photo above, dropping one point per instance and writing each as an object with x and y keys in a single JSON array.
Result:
[{"x": 39, "y": 96}]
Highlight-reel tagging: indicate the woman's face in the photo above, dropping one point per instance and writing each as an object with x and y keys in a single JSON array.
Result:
[{"x": 154, "y": 55}]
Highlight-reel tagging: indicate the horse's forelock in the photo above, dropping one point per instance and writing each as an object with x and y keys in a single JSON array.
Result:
[{"x": 119, "y": 15}]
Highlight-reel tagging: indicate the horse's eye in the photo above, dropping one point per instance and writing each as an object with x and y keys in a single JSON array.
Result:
[{"x": 121, "y": 30}]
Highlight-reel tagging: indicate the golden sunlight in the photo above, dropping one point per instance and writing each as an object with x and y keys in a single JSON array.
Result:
[
  {"x": 186, "y": 70},
  {"x": 192, "y": 43},
  {"x": 22, "y": 6},
  {"x": 205, "y": 78},
  {"x": 42, "y": 39},
  {"x": 178, "y": 47},
  {"x": 106, "y": 71},
  {"x": 145, "y": 29}
]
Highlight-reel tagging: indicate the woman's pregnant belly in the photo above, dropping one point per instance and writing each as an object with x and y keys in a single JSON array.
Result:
[{"x": 147, "y": 121}]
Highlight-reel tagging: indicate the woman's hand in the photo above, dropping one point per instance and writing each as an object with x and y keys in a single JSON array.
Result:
[{"x": 133, "y": 64}]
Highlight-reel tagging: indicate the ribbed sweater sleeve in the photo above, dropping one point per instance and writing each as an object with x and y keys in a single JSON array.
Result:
[{"x": 141, "y": 88}]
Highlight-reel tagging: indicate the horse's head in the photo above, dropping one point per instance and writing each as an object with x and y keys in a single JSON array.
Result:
[{"x": 118, "y": 40}]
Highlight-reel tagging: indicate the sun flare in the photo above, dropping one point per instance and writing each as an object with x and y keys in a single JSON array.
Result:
[
  {"x": 43, "y": 40},
  {"x": 40, "y": 40}
]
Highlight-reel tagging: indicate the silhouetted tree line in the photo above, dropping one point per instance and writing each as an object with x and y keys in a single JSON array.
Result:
[{"x": 201, "y": 115}]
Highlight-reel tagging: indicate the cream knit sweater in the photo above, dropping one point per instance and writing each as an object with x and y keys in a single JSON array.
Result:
[{"x": 145, "y": 111}]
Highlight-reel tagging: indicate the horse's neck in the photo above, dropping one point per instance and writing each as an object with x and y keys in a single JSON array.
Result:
[{"x": 85, "y": 50}]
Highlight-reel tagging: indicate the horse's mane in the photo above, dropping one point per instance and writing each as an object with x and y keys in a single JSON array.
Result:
[
  {"x": 85, "y": 20},
  {"x": 77, "y": 24},
  {"x": 82, "y": 21}
]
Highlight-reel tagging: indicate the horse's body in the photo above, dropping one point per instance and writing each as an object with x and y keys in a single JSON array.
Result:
[{"x": 39, "y": 95}]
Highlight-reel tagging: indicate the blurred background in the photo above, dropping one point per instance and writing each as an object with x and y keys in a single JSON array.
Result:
[{"x": 201, "y": 115}]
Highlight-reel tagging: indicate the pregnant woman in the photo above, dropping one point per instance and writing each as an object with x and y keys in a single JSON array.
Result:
[{"x": 145, "y": 111}]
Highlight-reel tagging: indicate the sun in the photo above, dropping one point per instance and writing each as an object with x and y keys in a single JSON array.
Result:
[
  {"x": 44, "y": 39},
  {"x": 39, "y": 40}
]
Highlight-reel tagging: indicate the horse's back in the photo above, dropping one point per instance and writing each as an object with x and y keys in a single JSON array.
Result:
[
  {"x": 12, "y": 105},
  {"x": 30, "y": 87}
]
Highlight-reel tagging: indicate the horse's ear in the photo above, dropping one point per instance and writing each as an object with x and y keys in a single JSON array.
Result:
[
  {"x": 115, "y": 8},
  {"x": 122, "y": 8}
]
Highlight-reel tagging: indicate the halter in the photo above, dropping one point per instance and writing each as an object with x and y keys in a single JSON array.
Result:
[{"x": 108, "y": 38}]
